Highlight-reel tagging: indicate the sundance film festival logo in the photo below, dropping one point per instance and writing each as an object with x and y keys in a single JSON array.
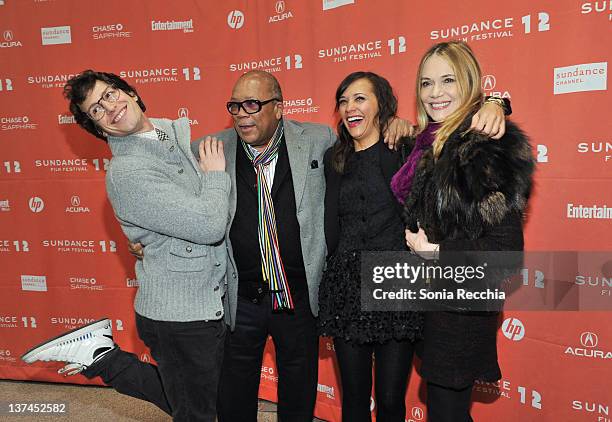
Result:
[
  {"x": 76, "y": 206},
  {"x": 80, "y": 245},
  {"x": 332, "y": 4},
  {"x": 183, "y": 112},
  {"x": 589, "y": 342},
  {"x": 513, "y": 329},
  {"x": 363, "y": 51},
  {"x": 595, "y": 282},
  {"x": 601, "y": 149},
  {"x": 489, "y": 83},
  {"x": 501, "y": 388},
  {"x": 17, "y": 123},
  {"x": 185, "y": 26},
  {"x": 581, "y": 78},
  {"x": 56, "y": 35},
  {"x": 18, "y": 245},
  {"x": 597, "y": 7},
  {"x": 235, "y": 19},
  {"x": 281, "y": 12},
  {"x": 270, "y": 64},
  {"x": 8, "y": 40},
  {"x": 6, "y": 85},
  {"x": 51, "y": 80},
  {"x": 601, "y": 410},
  {"x": 71, "y": 165},
  {"x": 36, "y": 204},
  {"x": 5, "y": 205},
  {"x": 70, "y": 322},
  {"x": 103, "y": 32},
  {"x": 34, "y": 283},
  {"x": 162, "y": 74}
]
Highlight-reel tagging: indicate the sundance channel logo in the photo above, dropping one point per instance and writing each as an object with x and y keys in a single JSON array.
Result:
[{"x": 581, "y": 78}]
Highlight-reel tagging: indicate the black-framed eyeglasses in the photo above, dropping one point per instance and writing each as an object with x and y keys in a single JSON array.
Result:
[
  {"x": 96, "y": 110},
  {"x": 249, "y": 106}
]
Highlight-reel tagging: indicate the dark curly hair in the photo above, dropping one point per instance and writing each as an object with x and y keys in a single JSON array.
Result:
[
  {"x": 78, "y": 87},
  {"x": 387, "y": 110}
]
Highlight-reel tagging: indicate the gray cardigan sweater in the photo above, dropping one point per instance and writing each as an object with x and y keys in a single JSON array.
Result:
[{"x": 179, "y": 213}]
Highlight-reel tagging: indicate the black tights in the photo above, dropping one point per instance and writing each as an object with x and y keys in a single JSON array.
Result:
[
  {"x": 393, "y": 363},
  {"x": 448, "y": 405}
]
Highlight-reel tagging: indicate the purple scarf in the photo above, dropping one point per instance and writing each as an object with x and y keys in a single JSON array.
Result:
[{"x": 402, "y": 180}]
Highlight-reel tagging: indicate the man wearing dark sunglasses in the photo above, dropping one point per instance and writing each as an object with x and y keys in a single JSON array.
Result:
[{"x": 276, "y": 212}]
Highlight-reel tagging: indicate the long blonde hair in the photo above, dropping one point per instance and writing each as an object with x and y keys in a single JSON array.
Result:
[{"x": 467, "y": 71}]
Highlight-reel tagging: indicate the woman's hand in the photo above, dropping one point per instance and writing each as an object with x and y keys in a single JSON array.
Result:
[
  {"x": 396, "y": 129},
  {"x": 490, "y": 120},
  {"x": 419, "y": 244}
]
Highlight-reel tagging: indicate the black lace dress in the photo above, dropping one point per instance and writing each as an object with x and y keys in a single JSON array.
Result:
[{"x": 369, "y": 221}]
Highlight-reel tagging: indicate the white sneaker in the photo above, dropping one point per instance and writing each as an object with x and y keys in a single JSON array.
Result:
[{"x": 80, "y": 348}]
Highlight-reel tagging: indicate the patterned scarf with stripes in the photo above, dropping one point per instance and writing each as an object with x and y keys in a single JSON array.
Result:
[{"x": 271, "y": 263}]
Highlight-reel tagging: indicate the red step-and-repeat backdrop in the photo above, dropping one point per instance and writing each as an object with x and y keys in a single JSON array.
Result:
[{"x": 64, "y": 260}]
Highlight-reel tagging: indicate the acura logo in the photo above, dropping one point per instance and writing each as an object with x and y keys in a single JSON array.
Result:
[
  {"x": 183, "y": 112},
  {"x": 75, "y": 201},
  {"x": 417, "y": 413},
  {"x": 589, "y": 339},
  {"x": 145, "y": 358},
  {"x": 488, "y": 82},
  {"x": 8, "y": 35},
  {"x": 280, "y": 6}
]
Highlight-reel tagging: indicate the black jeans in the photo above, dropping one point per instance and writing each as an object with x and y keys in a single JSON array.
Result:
[
  {"x": 447, "y": 404},
  {"x": 184, "y": 382},
  {"x": 392, "y": 369},
  {"x": 297, "y": 351}
]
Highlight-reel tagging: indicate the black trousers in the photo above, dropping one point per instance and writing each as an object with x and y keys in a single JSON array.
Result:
[
  {"x": 184, "y": 382},
  {"x": 392, "y": 369},
  {"x": 297, "y": 349},
  {"x": 447, "y": 404}
]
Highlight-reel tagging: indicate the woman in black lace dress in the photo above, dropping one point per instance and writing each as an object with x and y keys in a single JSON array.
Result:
[{"x": 361, "y": 214}]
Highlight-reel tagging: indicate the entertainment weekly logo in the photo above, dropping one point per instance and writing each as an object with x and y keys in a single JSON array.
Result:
[
  {"x": 594, "y": 212},
  {"x": 269, "y": 64},
  {"x": 166, "y": 74},
  {"x": 57, "y": 80},
  {"x": 110, "y": 31},
  {"x": 600, "y": 149},
  {"x": 363, "y": 51},
  {"x": 327, "y": 390},
  {"x": 493, "y": 28},
  {"x": 185, "y": 26},
  {"x": 332, "y": 4},
  {"x": 17, "y": 123},
  {"x": 56, "y": 35},
  {"x": 581, "y": 78},
  {"x": 589, "y": 348}
]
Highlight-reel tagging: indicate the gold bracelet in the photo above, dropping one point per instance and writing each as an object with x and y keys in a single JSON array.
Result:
[{"x": 496, "y": 100}]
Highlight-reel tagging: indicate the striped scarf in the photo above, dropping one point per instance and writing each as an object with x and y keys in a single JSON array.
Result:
[{"x": 271, "y": 263}]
